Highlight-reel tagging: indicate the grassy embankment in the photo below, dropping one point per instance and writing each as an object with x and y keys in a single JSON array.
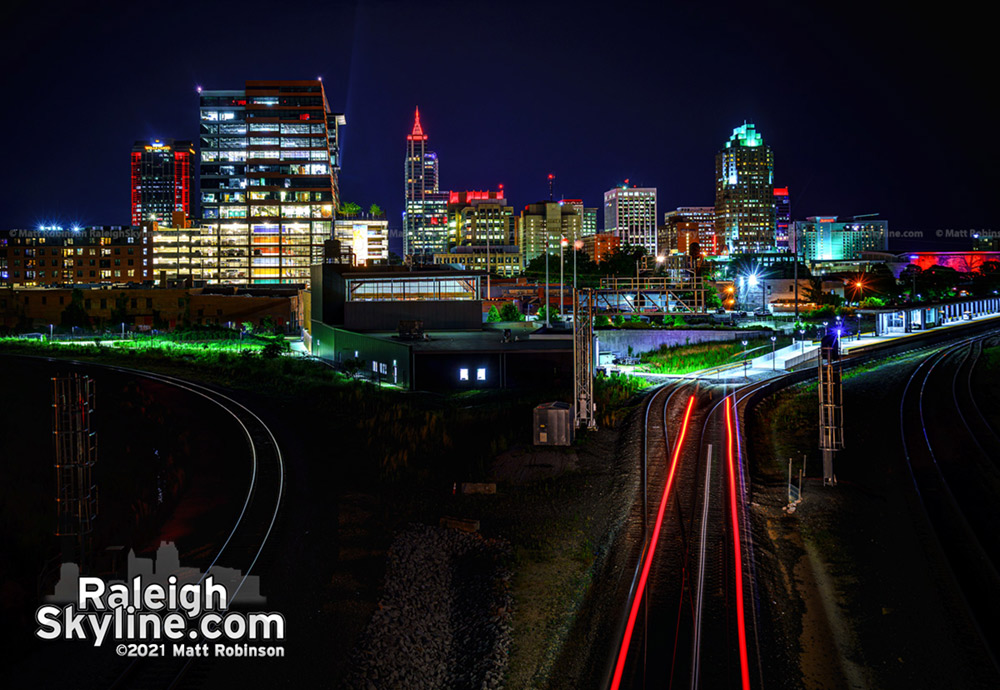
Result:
[{"x": 683, "y": 359}]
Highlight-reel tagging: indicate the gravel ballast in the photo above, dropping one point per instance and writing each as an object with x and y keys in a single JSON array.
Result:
[{"x": 444, "y": 620}]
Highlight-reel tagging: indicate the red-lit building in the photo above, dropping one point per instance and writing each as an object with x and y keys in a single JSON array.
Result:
[
  {"x": 162, "y": 180},
  {"x": 600, "y": 246}
]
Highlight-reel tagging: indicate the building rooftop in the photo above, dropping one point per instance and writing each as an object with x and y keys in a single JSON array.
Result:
[{"x": 477, "y": 341}]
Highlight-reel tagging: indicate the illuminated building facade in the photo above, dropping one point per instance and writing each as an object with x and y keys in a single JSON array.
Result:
[
  {"x": 502, "y": 260},
  {"x": 270, "y": 157},
  {"x": 630, "y": 213},
  {"x": 704, "y": 219},
  {"x": 825, "y": 238},
  {"x": 600, "y": 246},
  {"x": 481, "y": 218},
  {"x": 782, "y": 218},
  {"x": 744, "y": 193},
  {"x": 162, "y": 179},
  {"x": 366, "y": 236},
  {"x": 54, "y": 256},
  {"x": 425, "y": 207},
  {"x": 544, "y": 225},
  {"x": 588, "y": 216},
  {"x": 183, "y": 253},
  {"x": 677, "y": 236}
]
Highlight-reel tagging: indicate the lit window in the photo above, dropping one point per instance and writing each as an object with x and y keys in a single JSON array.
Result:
[
  {"x": 463, "y": 374},
  {"x": 480, "y": 374}
]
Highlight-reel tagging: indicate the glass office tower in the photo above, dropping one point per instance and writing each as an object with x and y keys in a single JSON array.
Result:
[{"x": 270, "y": 156}]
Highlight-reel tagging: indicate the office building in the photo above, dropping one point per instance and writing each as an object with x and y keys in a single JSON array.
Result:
[
  {"x": 481, "y": 218},
  {"x": 703, "y": 218},
  {"x": 544, "y": 225},
  {"x": 600, "y": 246},
  {"x": 425, "y": 206},
  {"x": 162, "y": 180},
  {"x": 588, "y": 216},
  {"x": 782, "y": 218},
  {"x": 365, "y": 236},
  {"x": 270, "y": 158},
  {"x": 501, "y": 260},
  {"x": 183, "y": 253},
  {"x": 825, "y": 238},
  {"x": 630, "y": 213},
  {"x": 744, "y": 192}
]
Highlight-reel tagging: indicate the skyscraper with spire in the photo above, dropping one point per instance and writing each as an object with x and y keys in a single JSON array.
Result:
[
  {"x": 425, "y": 207},
  {"x": 744, "y": 193}
]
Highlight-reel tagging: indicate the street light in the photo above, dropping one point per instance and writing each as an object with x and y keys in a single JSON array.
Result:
[
  {"x": 562, "y": 264},
  {"x": 744, "y": 359},
  {"x": 547, "y": 238},
  {"x": 802, "y": 338},
  {"x": 50, "y": 329},
  {"x": 859, "y": 326},
  {"x": 774, "y": 340}
]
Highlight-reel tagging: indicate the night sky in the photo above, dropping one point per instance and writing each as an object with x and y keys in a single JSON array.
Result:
[{"x": 867, "y": 110}]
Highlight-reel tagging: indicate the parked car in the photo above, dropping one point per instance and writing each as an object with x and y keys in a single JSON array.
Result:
[{"x": 761, "y": 312}]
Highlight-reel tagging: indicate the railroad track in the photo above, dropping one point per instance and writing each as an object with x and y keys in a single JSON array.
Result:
[
  {"x": 692, "y": 607},
  {"x": 242, "y": 548},
  {"x": 956, "y": 477}
]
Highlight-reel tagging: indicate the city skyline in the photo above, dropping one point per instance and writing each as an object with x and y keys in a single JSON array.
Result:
[{"x": 852, "y": 156}]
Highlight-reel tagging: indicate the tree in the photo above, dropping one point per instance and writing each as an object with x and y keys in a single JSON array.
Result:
[
  {"x": 510, "y": 312},
  {"x": 376, "y": 210},
  {"x": 272, "y": 349},
  {"x": 494, "y": 315},
  {"x": 543, "y": 311},
  {"x": 349, "y": 209},
  {"x": 622, "y": 262},
  {"x": 74, "y": 315}
]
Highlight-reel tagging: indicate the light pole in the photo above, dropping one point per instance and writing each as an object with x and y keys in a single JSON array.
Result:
[
  {"x": 50, "y": 329},
  {"x": 774, "y": 340},
  {"x": 802, "y": 338},
  {"x": 546, "y": 279},
  {"x": 123, "y": 330},
  {"x": 745, "y": 359},
  {"x": 859, "y": 326},
  {"x": 562, "y": 282}
]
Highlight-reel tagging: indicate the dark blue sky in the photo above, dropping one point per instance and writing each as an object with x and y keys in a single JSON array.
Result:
[{"x": 868, "y": 110}]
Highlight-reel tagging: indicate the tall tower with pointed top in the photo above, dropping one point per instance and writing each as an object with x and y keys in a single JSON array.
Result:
[{"x": 425, "y": 217}]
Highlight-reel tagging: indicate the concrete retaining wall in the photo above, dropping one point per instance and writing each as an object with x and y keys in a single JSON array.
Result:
[{"x": 647, "y": 340}]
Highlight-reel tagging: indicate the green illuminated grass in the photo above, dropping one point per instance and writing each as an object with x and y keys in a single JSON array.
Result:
[{"x": 683, "y": 359}]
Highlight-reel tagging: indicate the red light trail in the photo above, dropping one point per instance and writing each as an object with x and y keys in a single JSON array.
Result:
[
  {"x": 634, "y": 612},
  {"x": 740, "y": 615}
]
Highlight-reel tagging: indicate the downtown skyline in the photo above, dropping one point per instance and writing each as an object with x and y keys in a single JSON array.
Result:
[{"x": 840, "y": 146}]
